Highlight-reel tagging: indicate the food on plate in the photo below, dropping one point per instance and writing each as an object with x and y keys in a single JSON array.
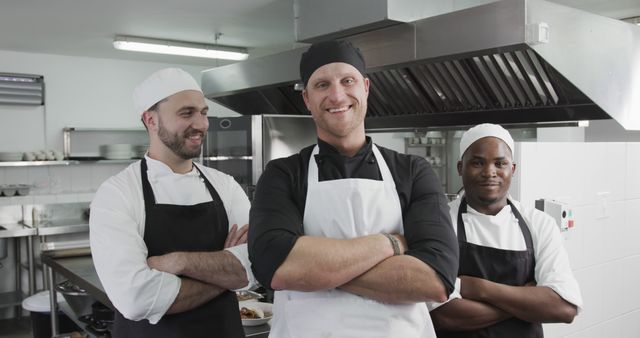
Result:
[{"x": 251, "y": 313}]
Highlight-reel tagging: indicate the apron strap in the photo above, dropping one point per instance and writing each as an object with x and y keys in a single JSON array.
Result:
[
  {"x": 149, "y": 197},
  {"x": 147, "y": 191},
  {"x": 526, "y": 233}
]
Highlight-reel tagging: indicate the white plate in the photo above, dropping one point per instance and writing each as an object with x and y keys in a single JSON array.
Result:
[{"x": 267, "y": 308}]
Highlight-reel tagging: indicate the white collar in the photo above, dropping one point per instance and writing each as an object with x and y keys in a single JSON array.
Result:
[{"x": 159, "y": 169}]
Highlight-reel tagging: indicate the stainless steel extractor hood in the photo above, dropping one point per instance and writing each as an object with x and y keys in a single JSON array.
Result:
[{"x": 510, "y": 62}]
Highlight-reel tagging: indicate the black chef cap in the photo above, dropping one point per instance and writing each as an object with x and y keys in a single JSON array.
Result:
[{"x": 322, "y": 53}]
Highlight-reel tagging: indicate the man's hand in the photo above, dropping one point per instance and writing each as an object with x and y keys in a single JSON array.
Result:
[
  {"x": 172, "y": 263},
  {"x": 236, "y": 236},
  {"x": 536, "y": 304}
]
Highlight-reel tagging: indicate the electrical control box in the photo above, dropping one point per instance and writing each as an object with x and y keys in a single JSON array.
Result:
[{"x": 561, "y": 212}]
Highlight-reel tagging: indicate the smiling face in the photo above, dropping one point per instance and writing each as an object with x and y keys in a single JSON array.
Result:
[
  {"x": 486, "y": 169},
  {"x": 180, "y": 125},
  {"x": 336, "y": 95}
]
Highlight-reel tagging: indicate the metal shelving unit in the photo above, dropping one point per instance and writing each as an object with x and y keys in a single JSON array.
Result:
[
  {"x": 434, "y": 150},
  {"x": 68, "y": 131}
]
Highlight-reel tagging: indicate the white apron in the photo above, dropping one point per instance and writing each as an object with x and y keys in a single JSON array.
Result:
[{"x": 348, "y": 208}]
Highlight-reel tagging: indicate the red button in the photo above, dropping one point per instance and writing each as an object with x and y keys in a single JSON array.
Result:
[{"x": 570, "y": 223}]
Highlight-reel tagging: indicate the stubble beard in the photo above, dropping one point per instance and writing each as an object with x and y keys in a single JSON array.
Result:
[{"x": 177, "y": 143}]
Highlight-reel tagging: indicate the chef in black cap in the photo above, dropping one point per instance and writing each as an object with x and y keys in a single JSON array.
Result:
[{"x": 353, "y": 237}]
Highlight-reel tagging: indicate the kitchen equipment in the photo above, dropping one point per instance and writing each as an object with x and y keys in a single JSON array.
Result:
[
  {"x": 241, "y": 146},
  {"x": 507, "y": 62},
  {"x": 78, "y": 299},
  {"x": 117, "y": 151}
]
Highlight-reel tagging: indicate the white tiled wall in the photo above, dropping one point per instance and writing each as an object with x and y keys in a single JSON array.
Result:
[
  {"x": 600, "y": 182},
  {"x": 57, "y": 184}
]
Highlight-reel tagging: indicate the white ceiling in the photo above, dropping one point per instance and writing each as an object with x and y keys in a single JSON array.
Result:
[{"x": 87, "y": 27}]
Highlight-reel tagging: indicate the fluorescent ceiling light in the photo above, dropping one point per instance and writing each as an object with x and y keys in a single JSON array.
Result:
[{"x": 179, "y": 48}]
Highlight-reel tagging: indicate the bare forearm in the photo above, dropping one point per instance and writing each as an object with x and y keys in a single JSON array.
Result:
[
  {"x": 192, "y": 294},
  {"x": 318, "y": 263},
  {"x": 399, "y": 279},
  {"x": 538, "y": 304},
  {"x": 219, "y": 268},
  {"x": 465, "y": 315}
]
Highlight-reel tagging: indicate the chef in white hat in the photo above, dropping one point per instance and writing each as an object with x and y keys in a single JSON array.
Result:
[
  {"x": 164, "y": 231},
  {"x": 514, "y": 273}
]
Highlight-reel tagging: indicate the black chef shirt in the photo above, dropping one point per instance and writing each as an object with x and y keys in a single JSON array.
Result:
[{"x": 278, "y": 206}]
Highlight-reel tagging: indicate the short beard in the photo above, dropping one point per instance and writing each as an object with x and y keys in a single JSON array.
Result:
[{"x": 176, "y": 142}]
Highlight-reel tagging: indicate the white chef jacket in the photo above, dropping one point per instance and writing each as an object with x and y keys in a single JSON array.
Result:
[
  {"x": 503, "y": 232},
  {"x": 117, "y": 233}
]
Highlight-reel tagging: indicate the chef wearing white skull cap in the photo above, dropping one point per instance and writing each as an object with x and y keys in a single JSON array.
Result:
[
  {"x": 164, "y": 231},
  {"x": 514, "y": 272}
]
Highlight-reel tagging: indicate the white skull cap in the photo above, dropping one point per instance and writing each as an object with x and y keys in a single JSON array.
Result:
[
  {"x": 161, "y": 85},
  {"x": 485, "y": 130}
]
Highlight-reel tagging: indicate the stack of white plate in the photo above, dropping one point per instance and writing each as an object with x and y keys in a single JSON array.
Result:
[
  {"x": 10, "y": 156},
  {"x": 117, "y": 151}
]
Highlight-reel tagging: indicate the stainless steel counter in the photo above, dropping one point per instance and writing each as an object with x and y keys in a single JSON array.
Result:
[{"x": 81, "y": 271}]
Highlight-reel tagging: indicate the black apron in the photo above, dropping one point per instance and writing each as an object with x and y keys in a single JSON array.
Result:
[
  {"x": 169, "y": 228},
  {"x": 509, "y": 267}
]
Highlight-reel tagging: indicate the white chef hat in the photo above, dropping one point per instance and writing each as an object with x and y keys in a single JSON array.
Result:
[
  {"x": 161, "y": 85},
  {"x": 485, "y": 130}
]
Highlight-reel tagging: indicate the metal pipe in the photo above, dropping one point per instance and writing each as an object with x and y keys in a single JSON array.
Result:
[{"x": 53, "y": 301}]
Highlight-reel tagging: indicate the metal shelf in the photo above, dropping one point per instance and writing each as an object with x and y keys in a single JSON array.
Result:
[
  {"x": 34, "y": 163},
  {"x": 13, "y": 298},
  {"x": 63, "y": 163},
  {"x": 423, "y": 145},
  {"x": 228, "y": 158},
  {"x": 68, "y": 129}
]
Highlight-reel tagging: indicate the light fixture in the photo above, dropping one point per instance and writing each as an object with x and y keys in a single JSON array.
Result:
[{"x": 173, "y": 47}]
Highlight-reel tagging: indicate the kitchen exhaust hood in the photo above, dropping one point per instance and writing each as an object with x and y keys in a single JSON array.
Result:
[{"x": 508, "y": 62}]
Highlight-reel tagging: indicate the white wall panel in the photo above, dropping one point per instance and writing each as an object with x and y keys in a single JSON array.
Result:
[
  {"x": 632, "y": 181},
  {"x": 631, "y": 229},
  {"x": 591, "y": 283},
  {"x": 603, "y": 187},
  {"x": 630, "y": 325}
]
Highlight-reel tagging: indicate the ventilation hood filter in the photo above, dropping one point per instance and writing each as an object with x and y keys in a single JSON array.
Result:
[{"x": 509, "y": 62}]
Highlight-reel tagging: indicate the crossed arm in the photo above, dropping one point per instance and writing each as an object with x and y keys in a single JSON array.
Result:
[
  {"x": 203, "y": 275},
  {"x": 485, "y": 303},
  {"x": 364, "y": 266}
]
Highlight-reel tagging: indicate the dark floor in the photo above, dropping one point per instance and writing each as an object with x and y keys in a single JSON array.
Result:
[{"x": 15, "y": 328}]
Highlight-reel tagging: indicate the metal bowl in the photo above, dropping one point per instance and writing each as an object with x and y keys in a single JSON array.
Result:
[{"x": 78, "y": 299}]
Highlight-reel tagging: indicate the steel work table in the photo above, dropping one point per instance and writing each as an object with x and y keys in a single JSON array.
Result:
[{"x": 81, "y": 272}]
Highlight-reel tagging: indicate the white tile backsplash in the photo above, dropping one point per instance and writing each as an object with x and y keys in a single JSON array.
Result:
[
  {"x": 16, "y": 175},
  {"x": 630, "y": 325},
  {"x": 99, "y": 174},
  {"x": 632, "y": 179},
  {"x": 604, "y": 246},
  {"x": 60, "y": 179},
  {"x": 631, "y": 228},
  {"x": 612, "y": 328},
  {"x": 81, "y": 178},
  {"x": 67, "y": 181},
  {"x": 591, "y": 283}
]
